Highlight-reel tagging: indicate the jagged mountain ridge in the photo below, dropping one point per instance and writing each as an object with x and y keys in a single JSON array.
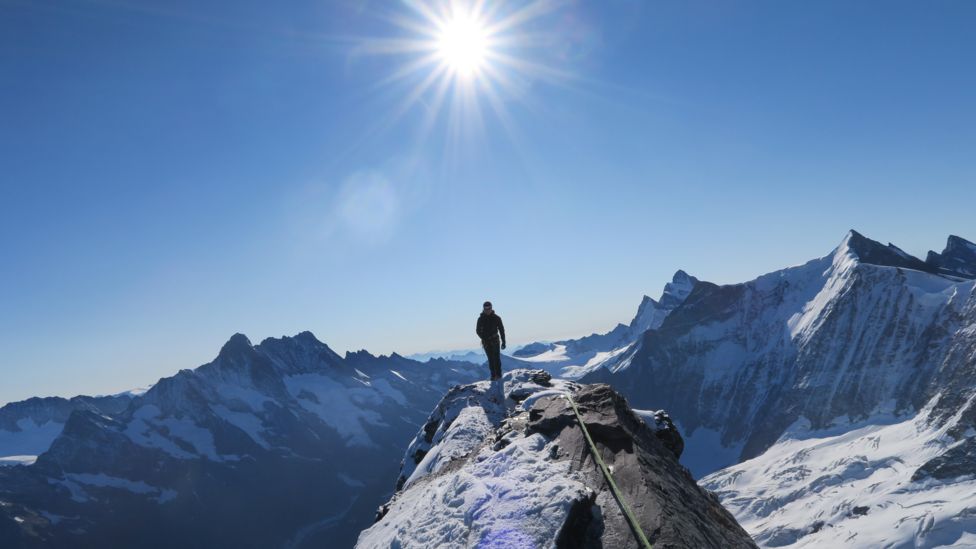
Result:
[
  {"x": 466, "y": 355},
  {"x": 28, "y": 427},
  {"x": 506, "y": 465},
  {"x": 957, "y": 259},
  {"x": 282, "y": 443}
]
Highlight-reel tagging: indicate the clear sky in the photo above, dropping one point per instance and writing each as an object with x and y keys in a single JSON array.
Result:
[{"x": 173, "y": 172}]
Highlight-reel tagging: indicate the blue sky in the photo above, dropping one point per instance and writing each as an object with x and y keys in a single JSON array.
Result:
[{"x": 174, "y": 172}]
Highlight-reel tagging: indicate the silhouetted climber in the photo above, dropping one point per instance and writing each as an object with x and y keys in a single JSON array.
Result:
[{"x": 488, "y": 329}]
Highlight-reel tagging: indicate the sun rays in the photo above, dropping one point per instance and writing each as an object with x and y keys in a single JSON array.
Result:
[{"x": 463, "y": 61}]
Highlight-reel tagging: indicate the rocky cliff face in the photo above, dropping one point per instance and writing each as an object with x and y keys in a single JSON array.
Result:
[
  {"x": 506, "y": 465},
  {"x": 957, "y": 259},
  {"x": 285, "y": 443}
]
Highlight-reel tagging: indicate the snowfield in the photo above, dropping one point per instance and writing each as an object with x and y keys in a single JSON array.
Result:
[
  {"x": 852, "y": 486},
  {"x": 21, "y": 447},
  {"x": 511, "y": 498},
  {"x": 515, "y": 497}
]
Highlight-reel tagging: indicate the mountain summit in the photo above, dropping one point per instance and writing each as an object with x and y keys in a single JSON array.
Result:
[
  {"x": 518, "y": 472},
  {"x": 957, "y": 259}
]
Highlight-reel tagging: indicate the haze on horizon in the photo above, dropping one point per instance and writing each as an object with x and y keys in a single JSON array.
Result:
[{"x": 173, "y": 173}]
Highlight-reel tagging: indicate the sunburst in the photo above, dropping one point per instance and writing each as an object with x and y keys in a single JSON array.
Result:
[{"x": 459, "y": 57}]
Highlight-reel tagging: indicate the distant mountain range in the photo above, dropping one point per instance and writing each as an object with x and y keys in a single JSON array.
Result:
[
  {"x": 574, "y": 358},
  {"x": 467, "y": 355},
  {"x": 282, "y": 444}
]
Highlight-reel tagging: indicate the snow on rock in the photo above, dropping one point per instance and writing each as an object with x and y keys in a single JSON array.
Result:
[
  {"x": 598, "y": 360},
  {"x": 101, "y": 480},
  {"x": 505, "y": 464},
  {"x": 347, "y": 408},
  {"x": 143, "y": 432},
  {"x": 957, "y": 259},
  {"x": 483, "y": 406}
]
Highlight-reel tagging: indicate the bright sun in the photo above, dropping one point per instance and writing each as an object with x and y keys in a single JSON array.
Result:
[
  {"x": 463, "y": 58},
  {"x": 462, "y": 45}
]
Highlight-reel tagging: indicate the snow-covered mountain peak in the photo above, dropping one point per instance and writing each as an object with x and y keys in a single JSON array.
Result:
[
  {"x": 306, "y": 335},
  {"x": 651, "y": 313},
  {"x": 361, "y": 354},
  {"x": 646, "y": 313},
  {"x": 678, "y": 289},
  {"x": 237, "y": 345},
  {"x": 957, "y": 242},
  {"x": 302, "y": 353},
  {"x": 238, "y": 363},
  {"x": 305, "y": 340},
  {"x": 865, "y": 250},
  {"x": 958, "y": 259}
]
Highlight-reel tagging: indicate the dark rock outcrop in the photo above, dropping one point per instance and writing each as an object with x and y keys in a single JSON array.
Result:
[
  {"x": 959, "y": 461},
  {"x": 672, "y": 509},
  {"x": 957, "y": 259}
]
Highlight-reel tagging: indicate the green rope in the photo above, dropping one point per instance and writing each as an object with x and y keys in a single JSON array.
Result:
[{"x": 634, "y": 525}]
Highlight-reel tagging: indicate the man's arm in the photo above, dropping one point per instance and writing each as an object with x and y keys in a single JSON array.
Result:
[
  {"x": 478, "y": 328},
  {"x": 501, "y": 329}
]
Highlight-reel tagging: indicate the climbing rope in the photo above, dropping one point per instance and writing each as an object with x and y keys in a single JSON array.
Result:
[{"x": 634, "y": 525}]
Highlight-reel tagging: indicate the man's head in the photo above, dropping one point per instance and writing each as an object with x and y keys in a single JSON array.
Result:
[{"x": 487, "y": 307}]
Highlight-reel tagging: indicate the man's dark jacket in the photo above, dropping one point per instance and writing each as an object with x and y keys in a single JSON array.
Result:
[{"x": 489, "y": 326}]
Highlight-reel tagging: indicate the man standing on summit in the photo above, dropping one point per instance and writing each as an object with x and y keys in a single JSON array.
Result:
[{"x": 488, "y": 329}]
